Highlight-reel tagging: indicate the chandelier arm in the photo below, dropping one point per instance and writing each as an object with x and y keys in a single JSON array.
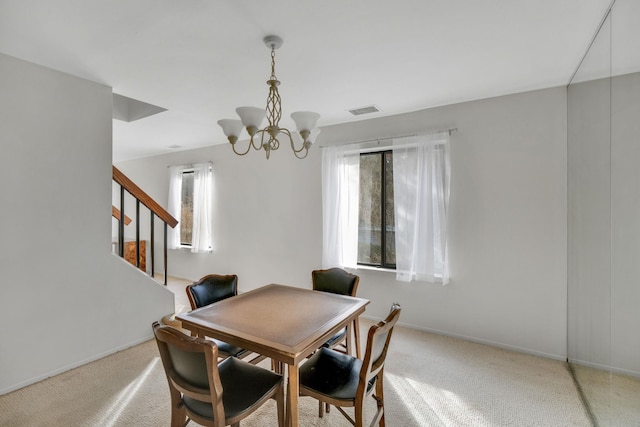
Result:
[
  {"x": 301, "y": 157},
  {"x": 233, "y": 146},
  {"x": 293, "y": 147},
  {"x": 262, "y": 132},
  {"x": 296, "y": 153}
]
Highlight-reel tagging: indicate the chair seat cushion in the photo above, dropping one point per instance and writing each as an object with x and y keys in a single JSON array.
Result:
[
  {"x": 336, "y": 339},
  {"x": 226, "y": 349},
  {"x": 243, "y": 385},
  {"x": 332, "y": 374}
]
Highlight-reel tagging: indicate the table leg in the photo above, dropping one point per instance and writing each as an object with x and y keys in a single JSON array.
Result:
[
  {"x": 293, "y": 391},
  {"x": 356, "y": 332},
  {"x": 353, "y": 337}
]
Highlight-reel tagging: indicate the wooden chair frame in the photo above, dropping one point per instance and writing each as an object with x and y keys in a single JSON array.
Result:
[
  {"x": 354, "y": 338},
  {"x": 372, "y": 370},
  {"x": 192, "y": 301},
  {"x": 180, "y": 414}
]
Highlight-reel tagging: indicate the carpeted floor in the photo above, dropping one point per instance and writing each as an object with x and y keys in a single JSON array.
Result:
[{"x": 430, "y": 380}]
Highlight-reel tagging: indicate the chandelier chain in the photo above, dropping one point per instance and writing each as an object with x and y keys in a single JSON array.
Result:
[{"x": 273, "y": 64}]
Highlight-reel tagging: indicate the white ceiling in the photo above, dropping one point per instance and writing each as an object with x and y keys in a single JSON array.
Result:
[{"x": 200, "y": 59}]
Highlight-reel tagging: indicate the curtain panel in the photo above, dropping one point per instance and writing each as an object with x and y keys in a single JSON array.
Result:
[
  {"x": 421, "y": 175},
  {"x": 340, "y": 194},
  {"x": 202, "y": 205},
  {"x": 175, "y": 205},
  {"x": 202, "y": 236}
]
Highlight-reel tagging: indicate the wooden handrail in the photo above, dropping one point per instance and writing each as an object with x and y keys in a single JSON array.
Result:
[
  {"x": 144, "y": 198},
  {"x": 115, "y": 212}
]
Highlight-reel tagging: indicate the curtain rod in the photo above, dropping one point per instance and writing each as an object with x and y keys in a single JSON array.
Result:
[
  {"x": 190, "y": 165},
  {"x": 449, "y": 131}
]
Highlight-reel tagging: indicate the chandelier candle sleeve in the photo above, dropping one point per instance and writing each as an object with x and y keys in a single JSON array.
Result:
[{"x": 251, "y": 119}]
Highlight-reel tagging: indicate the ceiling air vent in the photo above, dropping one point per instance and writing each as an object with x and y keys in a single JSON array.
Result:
[{"x": 364, "y": 110}]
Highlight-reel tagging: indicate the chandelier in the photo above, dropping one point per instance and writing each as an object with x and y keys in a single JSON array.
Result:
[{"x": 267, "y": 138}]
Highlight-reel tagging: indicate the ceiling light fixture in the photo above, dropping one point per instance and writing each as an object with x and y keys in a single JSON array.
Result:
[{"x": 251, "y": 118}]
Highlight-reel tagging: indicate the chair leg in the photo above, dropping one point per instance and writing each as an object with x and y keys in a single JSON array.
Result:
[
  {"x": 327, "y": 408},
  {"x": 320, "y": 408},
  {"x": 178, "y": 413},
  {"x": 280, "y": 405},
  {"x": 359, "y": 415},
  {"x": 379, "y": 397}
]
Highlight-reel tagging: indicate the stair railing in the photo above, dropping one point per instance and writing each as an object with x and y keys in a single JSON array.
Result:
[{"x": 126, "y": 185}]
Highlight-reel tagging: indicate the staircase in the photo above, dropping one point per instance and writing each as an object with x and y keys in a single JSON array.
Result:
[{"x": 135, "y": 251}]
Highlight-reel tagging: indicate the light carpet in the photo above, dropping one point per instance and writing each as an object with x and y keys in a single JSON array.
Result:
[{"x": 430, "y": 380}]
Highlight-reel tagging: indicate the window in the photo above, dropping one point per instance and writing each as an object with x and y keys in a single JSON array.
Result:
[
  {"x": 388, "y": 207},
  {"x": 190, "y": 194},
  {"x": 376, "y": 224}
]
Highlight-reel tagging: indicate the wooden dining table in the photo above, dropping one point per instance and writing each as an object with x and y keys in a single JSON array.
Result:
[{"x": 284, "y": 323}]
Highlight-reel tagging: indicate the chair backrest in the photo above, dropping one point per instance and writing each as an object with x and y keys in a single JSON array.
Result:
[
  {"x": 335, "y": 280},
  {"x": 377, "y": 345},
  {"x": 191, "y": 367},
  {"x": 212, "y": 288}
]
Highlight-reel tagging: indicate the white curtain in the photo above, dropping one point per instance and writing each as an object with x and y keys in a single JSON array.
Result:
[
  {"x": 175, "y": 205},
  {"x": 202, "y": 194},
  {"x": 201, "y": 237},
  {"x": 421, "y": 175},
  {"x": 340, "y": 194},
  {"x": 421, "y": 172}
]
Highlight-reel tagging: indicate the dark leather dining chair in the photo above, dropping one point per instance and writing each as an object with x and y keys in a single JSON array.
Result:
[
  {"x": 213, "y": 288},
  {"x": 342, "y": 380},
  {"x": 339, "y": 281},
  {"x": 211, "y": 393}
]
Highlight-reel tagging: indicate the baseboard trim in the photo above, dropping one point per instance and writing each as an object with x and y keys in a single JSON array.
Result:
[
  {"x": 479, "y": 340},
  {"x": 607, "y": 368}
]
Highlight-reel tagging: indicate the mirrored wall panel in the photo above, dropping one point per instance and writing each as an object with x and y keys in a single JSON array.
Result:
[{"x": 604, "y": 220}]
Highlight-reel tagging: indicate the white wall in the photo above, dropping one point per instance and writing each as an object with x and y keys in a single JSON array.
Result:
[
  {"x": 508, "y": 220},
  {"x": 66, "y": 299}
]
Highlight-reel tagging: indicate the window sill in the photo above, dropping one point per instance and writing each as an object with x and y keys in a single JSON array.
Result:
[
  {"x": 371, "y": 268},
  {"x": 189, "y": 249},
  {"x": 437, "y": 281}
]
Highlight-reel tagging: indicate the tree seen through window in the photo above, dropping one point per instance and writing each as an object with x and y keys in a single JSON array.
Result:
[
  {"x": 186, "y": 209},
  {"x": 376, "y": 229}
]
